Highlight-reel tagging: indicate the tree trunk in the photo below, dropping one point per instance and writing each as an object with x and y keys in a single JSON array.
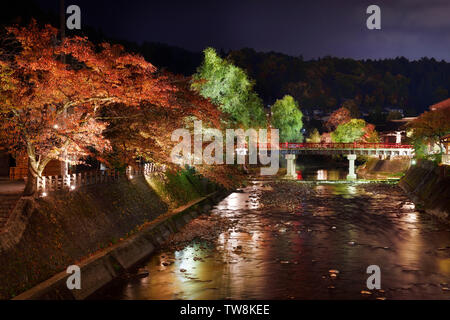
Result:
[
  {"x": 35, "y": 170},
  {"x": 31, "y": 185}
]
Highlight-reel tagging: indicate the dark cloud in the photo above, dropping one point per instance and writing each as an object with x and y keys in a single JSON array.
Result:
[{"x": 410, "y": 28}]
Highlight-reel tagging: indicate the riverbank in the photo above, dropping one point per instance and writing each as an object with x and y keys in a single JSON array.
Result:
[
  {"x": 428, "y": 186},
  {"x": 375, "y": 168},
  {"x": 72, "y": 227}
]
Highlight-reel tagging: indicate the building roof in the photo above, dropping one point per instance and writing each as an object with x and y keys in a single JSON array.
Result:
[
  {"x": 392, "y": 125},
  {"x": 440, "y": 105}
]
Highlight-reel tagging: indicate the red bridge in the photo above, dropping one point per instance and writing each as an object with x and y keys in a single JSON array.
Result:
[
  {"x": 382, "y": 150},
  {"x": 353, "y": 145}
]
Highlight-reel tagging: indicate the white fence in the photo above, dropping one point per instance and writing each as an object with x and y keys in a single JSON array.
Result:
[
  {"x": 446, "y": 159},
  {"x": 72, "y": 181}
]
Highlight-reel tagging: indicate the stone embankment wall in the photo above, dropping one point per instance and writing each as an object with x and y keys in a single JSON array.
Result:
[{"x": 428, "y": 186}]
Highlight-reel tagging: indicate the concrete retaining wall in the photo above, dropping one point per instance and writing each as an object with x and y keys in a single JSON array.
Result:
[
  {"x": 103, "y": 267},
  {"x": 375, "y": 168}
]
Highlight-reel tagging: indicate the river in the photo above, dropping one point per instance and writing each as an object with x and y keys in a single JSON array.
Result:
[{"x": 320, "y": 251}]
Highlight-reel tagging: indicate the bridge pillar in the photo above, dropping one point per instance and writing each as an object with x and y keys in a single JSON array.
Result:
[
  {"x": 291, "y": 172},
  {"x": 351, "y": 167}
]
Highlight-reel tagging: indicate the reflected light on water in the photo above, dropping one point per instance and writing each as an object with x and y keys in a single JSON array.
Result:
[
  {"x": 444, "y": 266},
  {"x": 409, "y": 205},
  {"x": 233, "y": 201},
  {"x": 187, "y": 262},
  {"x": 247, "y": 261},
  {"x": 322, "y": 174},
  {"x": 411, "y": 217},
  {"x": 352, "y": 189}
]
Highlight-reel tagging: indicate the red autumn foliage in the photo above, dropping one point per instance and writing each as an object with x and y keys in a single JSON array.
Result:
[
  {"x": 340, "y": 116},
  {"x": 58, "y": 98}
]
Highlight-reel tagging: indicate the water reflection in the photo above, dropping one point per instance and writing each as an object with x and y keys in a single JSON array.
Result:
[
  {"x": 279, "y": 255},
  {"x": 322, "y": 174},
  {"x": 311, "y": 174}
]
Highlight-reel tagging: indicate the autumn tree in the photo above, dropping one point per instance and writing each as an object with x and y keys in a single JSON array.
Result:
[
  {"x": 231, "y": 89},
  {"x": 53, "y": 106},
  {"x": 287, "y": 117},
  {"x": 340, "y": 116},
  {"x": 146, "y": 132},
  {"x": 432, "y": 126}
]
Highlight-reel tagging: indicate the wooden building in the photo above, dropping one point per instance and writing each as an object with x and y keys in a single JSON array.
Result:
[
  {"x": 393, "y": 131},
  {"x": 20, "y": 170},
  {"x": 5, "y": 163}
]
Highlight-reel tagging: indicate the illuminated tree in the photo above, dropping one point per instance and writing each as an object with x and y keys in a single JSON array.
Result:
[
  {"x": 53, "y": 106},
  {"x": 340, "y": 116},
  {"x": 432, "y": 126},
  {"x": 314, "y": 137},
  {"x": 287, "y": 117},
  {"x": 146, "y": 132},
  {"x": 355, "y": 130},
  {"x": 230, "y": 88}
]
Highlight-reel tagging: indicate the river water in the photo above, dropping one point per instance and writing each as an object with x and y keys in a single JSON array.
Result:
[{"x": 271, "y": 254}]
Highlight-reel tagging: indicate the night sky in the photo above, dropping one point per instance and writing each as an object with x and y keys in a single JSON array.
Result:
[{"x": 314, "y": 28}]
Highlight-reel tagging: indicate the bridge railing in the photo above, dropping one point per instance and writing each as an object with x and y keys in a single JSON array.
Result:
[{"x": 354, "y": 145}]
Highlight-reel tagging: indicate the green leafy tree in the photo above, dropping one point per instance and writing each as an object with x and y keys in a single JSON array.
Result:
[
  {"x": 420, "y": 147},
  {"x": 230, "y": 88},
  {"x": 287, "y": 117},
  {"x": 350, "y": 131},
  {"x": 314, "y": 137}
]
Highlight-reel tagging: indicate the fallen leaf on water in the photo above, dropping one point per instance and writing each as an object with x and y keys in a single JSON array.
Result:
[{"x": 333, "y": 271}]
